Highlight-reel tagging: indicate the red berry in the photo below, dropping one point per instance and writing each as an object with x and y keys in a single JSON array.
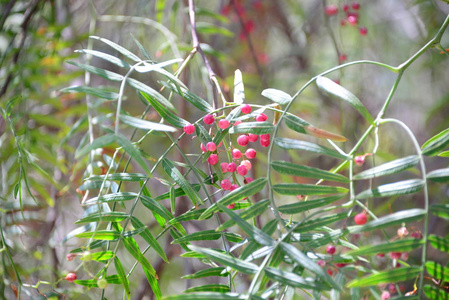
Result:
[
  {"x": 189, "y": 129},
  {"x": 213, "y": 159},
  {"x": 265, "y": 143},
  {"x": 236, "y": 153},
  {"x": 416, "y": 235},
  {"x": 250, "y": 153},
  {"x": 246, "y": 109},
  {"x": 247, "y": 164},
  {"x": 359, "y": 160},
  {"x": 345, "y": 7},
  {"x": 208, "y": 119},
  {"x": 265, "y": 136},
  {"x": 395, "y": 255},
  {"x": 330, "y": 272},
  {"x": 343, "y": 22},
  {"x": 380, "y": 254},
  {"x": 253, "y": 137},
  {"x": 342, "y": 58},
  {"x": 224, "y": 167},
  {"x": 211, "y": 146},
  {"x": 242, "y": 170},
  {"x": 355, "y": 5},
  {"x": 331, "y": 249},
  {"x": 360, "y": 219},
  {"x": 363, "y": 30},
  {"x": 247, "y": 180},
  {"x": 203, "y": 148},
  {"x": 231, "y": 167},
  {"x": 70, "y": 256},
  {"x": 71, "y": 277},
  {"x": 223, "y": 123},
  {"x": 231, "y": 206},
  {"x": 249, "y": 26},
  {"x": 262, "y": 117},
  {"x": 226, "y": 184},
  {"x": 331, "y": 9},
  {"x": 243, "y": 140},
  {"x": 392, "y": 288},
  {"x": 237, "y": 122},
  {"x": 340, "y": 265},
  {"x": 352, "y": 20},
  {"x": 233, "y": 187}
]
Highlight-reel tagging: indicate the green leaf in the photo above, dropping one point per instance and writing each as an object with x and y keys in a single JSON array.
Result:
[
  {"x": 208, "y": 28},
  {"x": 444, "y": 154},
  {"x": 435, "y": 293},
  {"x": 209, "y": 288},
  {"x": 112, "y": 279},
  {"x": 145, "y": 67},
  {"x": 239, "y": 92},
  {"x": 298, "y": 207},
  {"x": 112, "y": 216},
  {"x": 302, "y": 260},
  {"x": 396, "y": 246},
  {"x": 227, "y": 260},
  {"x": 209, "y": 296},
  {"x": 146, "y": 125},
  {"x": 167, "y": 115},
  {"x": 277, "y": 96},
  {"x": 440, "y": 210},
  {"x": 132, "y": 152},
  {"x": 294, "y": 280},
  {"x": 251, "y": 212},
  {"x": 307, "y": 189},
  {"x": 291, "y": 144},
  {"x": 236, "y": 195},
  {"x": 388, "y": 168},
  {"x": 104, "y": 235},
  {"x": 149, "y": 238},
  {"x": 440, "y": 175},
  {"x": 395, "y": 275},
  {"x": 178, "y": 192},
  {"x": 439, "y": 243},
  {"x": 156, "y": 207},
  {"x": 296, "y": 123},
  {"x": 100, "y": 256},
  {"x": 397, "y": 218},
  {"x": 393, "y": 189},
  {"x": 207, "y": 235},
  {"x": 340, "y": 92},
  {"x": 437, "y": 271},
  {"x": 196, "y": 101},
  {"x": 97, "y": 92},
  {"x": 288, "y": 168},
  {"x": 191, "y": 193},
  {"x": 107, "y": 57},
  {"x": 255, "y": 233},
  {"x": 121, "y": 273},
  {"x": 119, "y": 177},
  {"x": 111, "y": 198},
  {"x": 141, "y": 48},
  {"x": 119, "y": 48},
  {"x": 100, "y": 142},
  {"x": 97, "y": 71},
  {"x": 190, "y": 215},
  {"x": 218, "y": 271},
  {"x": 252, "y": 127},
  {"x": 436, "y": 144},
  {"x": 133, "y": 249},
  {"x": 319, "y": 222}
]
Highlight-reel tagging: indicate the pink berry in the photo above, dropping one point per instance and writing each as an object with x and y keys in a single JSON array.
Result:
[
  {"x": 321, "y": 263},
  {"x": 265, "y": 136},
  {"x": 208, "y": 119},
  {"x": 71, "y": 277},
  {"x": 226, "y": 184},
  {"x": 243, "y": 140},
  {"x": 340, "y": 265},
  {"x": 253, "y": 137},
  {"x": 262, "y": 117},
  {"x": 352, "y": 20},
  {"x": 392, "y": 288},
  {"x": 189, "y": 129},
  {"x": 236, "y": 153},
  {"x": 355, "y": 5},
  {"x": 360, "y": 219},
  {"x": 213, "y": 159},
  {"x": 380, "y": 255},
  {"x": 402, "y": 232},
  {"x": 233, "y": 187},
  {"x": 211, "y": 146},
  {"x": 331, "y": 10},
  {"x": 247, "y": 164},
  {"x": 223, "y": 123},
  {"x": 242, "y": 170},
  {"x": 247, "y": 180},
  {"x": 345, "y": 7},
  {"x": 237, "y": 122},
  {"x": 331, "y": 249},
  {"x": 250, "y": 153},
  {"x": 224, "y": 167},
  {"x": 416, "y": 235},
  {"x": 246, "y": 109},
  {"x": 385, "y": 295},
  {"x": 231, "y": 167},
  {"x": 342, "y": 58},
  {"x": 231, "y": 206},
  {"x": 395, "y": 255},
  {"x": 265, "y": 143},
  {"x": 363, "y": 30},
  {"x": 359, "y": 160},
  {"x": 203, "y": 148},
  {"x": 405, "y": 255},
  {"x": 70, "y": 256},
  {"x": 330, "y": 272}
]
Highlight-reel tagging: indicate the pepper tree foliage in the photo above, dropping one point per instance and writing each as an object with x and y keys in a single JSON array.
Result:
[{"x": 256, "y": 200}]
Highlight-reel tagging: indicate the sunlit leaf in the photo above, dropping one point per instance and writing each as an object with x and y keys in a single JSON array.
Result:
[
  {"x": 119, "y": 48},
  {"x": 395, "y": 275},
  {"x": 121, "y": 273},
  {"x": 112, "y": 216},
  {"x": 436, "y": 144},
  {"x": 98, "y": 71},
  {"x": 118, "y": 177},
  {"x": 149, "y": 238},
  {"x": 209, "y": 288},
  {"x": 133, "y": 249},
  {"x": 435, "y": 293},
  {"x": 105, "y": 235},
  {"x": 437, "y": 271},
  {"x": 112, "y": 279},
  {"x": 208, "y": 235},
  {"x": 239, "y": 92},
  {"x": 146, "y": 125},
  {"x": 388, "y": 168},
  {"x": 439, "y": 243},
  {"x": 440, "y": 210},
  {"x": 125, "y": 196},
  {"x": 209, "y": 296},
  {"x": 100, "y": 256},
  {"x": 307, "y": 189},
  {"x": 393, "y": 189},
  {"x": 440, "y": 175},
  {"x": 145, "y": 67},
  {"x": 165, "y": 113},
  {"x": 218, "y": 271},
  {"x": 277, "y": 96}
]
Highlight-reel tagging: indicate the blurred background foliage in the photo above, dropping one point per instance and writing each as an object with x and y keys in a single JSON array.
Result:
[{"x": 278, "y": 44}]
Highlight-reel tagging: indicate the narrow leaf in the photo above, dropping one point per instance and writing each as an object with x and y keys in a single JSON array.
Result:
[
  {"x": 210, "y": 295},
  {"x": 252, "y": 127},
  {"x": 440, "y": 210},
  {"x": 393, "y": 189},
  {"x": 254, "y": 210},
  {"x": 100, "y": 142},
  {"x": 298, "y": 207},
  {"x": 112, "y": 279},
  {"x": 209, "y": 288},
  {"x": 340, "y": 92},
  {"x": 440, "y": 175},
  {"x": 315, "y": 224},
  {"x": 291, "y": 144},
  {"x": 111, "y": 198},
  {"x": 239, "y": 92},
  {"x": 100, "y": 256},
  {"x": 403, "y": 216},
  {"x": 149, "y": 238},
  {"x": 133, "y": 249},
  {"x": 396, "y": 246},
  {"x": 388, "y": 168},
  {"x": 149, "y": 93},
  {"x": 207, "y": 235},
  {"x": 277, "y": 96},
  {"x": 167, "y": 115},
  {"x": 395, "y": 275},
  {"x": 145, "y": 67},
  {"x": 146, "y": 125},
  {"x": 119, "y": 177},
  {"x": 177, "y": 192},
  {"x": 112, "y": 216},
  {"x": 218, "y": 271},
  {"x": 294, "y": 280},
  {"x": 97, "y": 92},
  {"x": 119, "y": 48},
  {"x": 132, "y": 152},
  {"x": 435, "y": 293},
  {"x": 307, "y": 189},
  {"x": 323, "y": 134},
  {"x": 288, "y": 168},
  {"x": 121, "y": 273},
  {"x": 107, "y": 57},
  {"x": 97, "y": 71},
  {"x": 104, "y": 235},
  {"x": 436, "y": 144},
  {"x": 196, "y": 101},
  {"x": 437, "y": 271},
  {"x": 439, "y": 243}
]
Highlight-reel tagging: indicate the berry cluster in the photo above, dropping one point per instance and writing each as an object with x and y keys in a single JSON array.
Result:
[
  {"x": 351, "y": 15},
  {"x": 240, "y": 163}
]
